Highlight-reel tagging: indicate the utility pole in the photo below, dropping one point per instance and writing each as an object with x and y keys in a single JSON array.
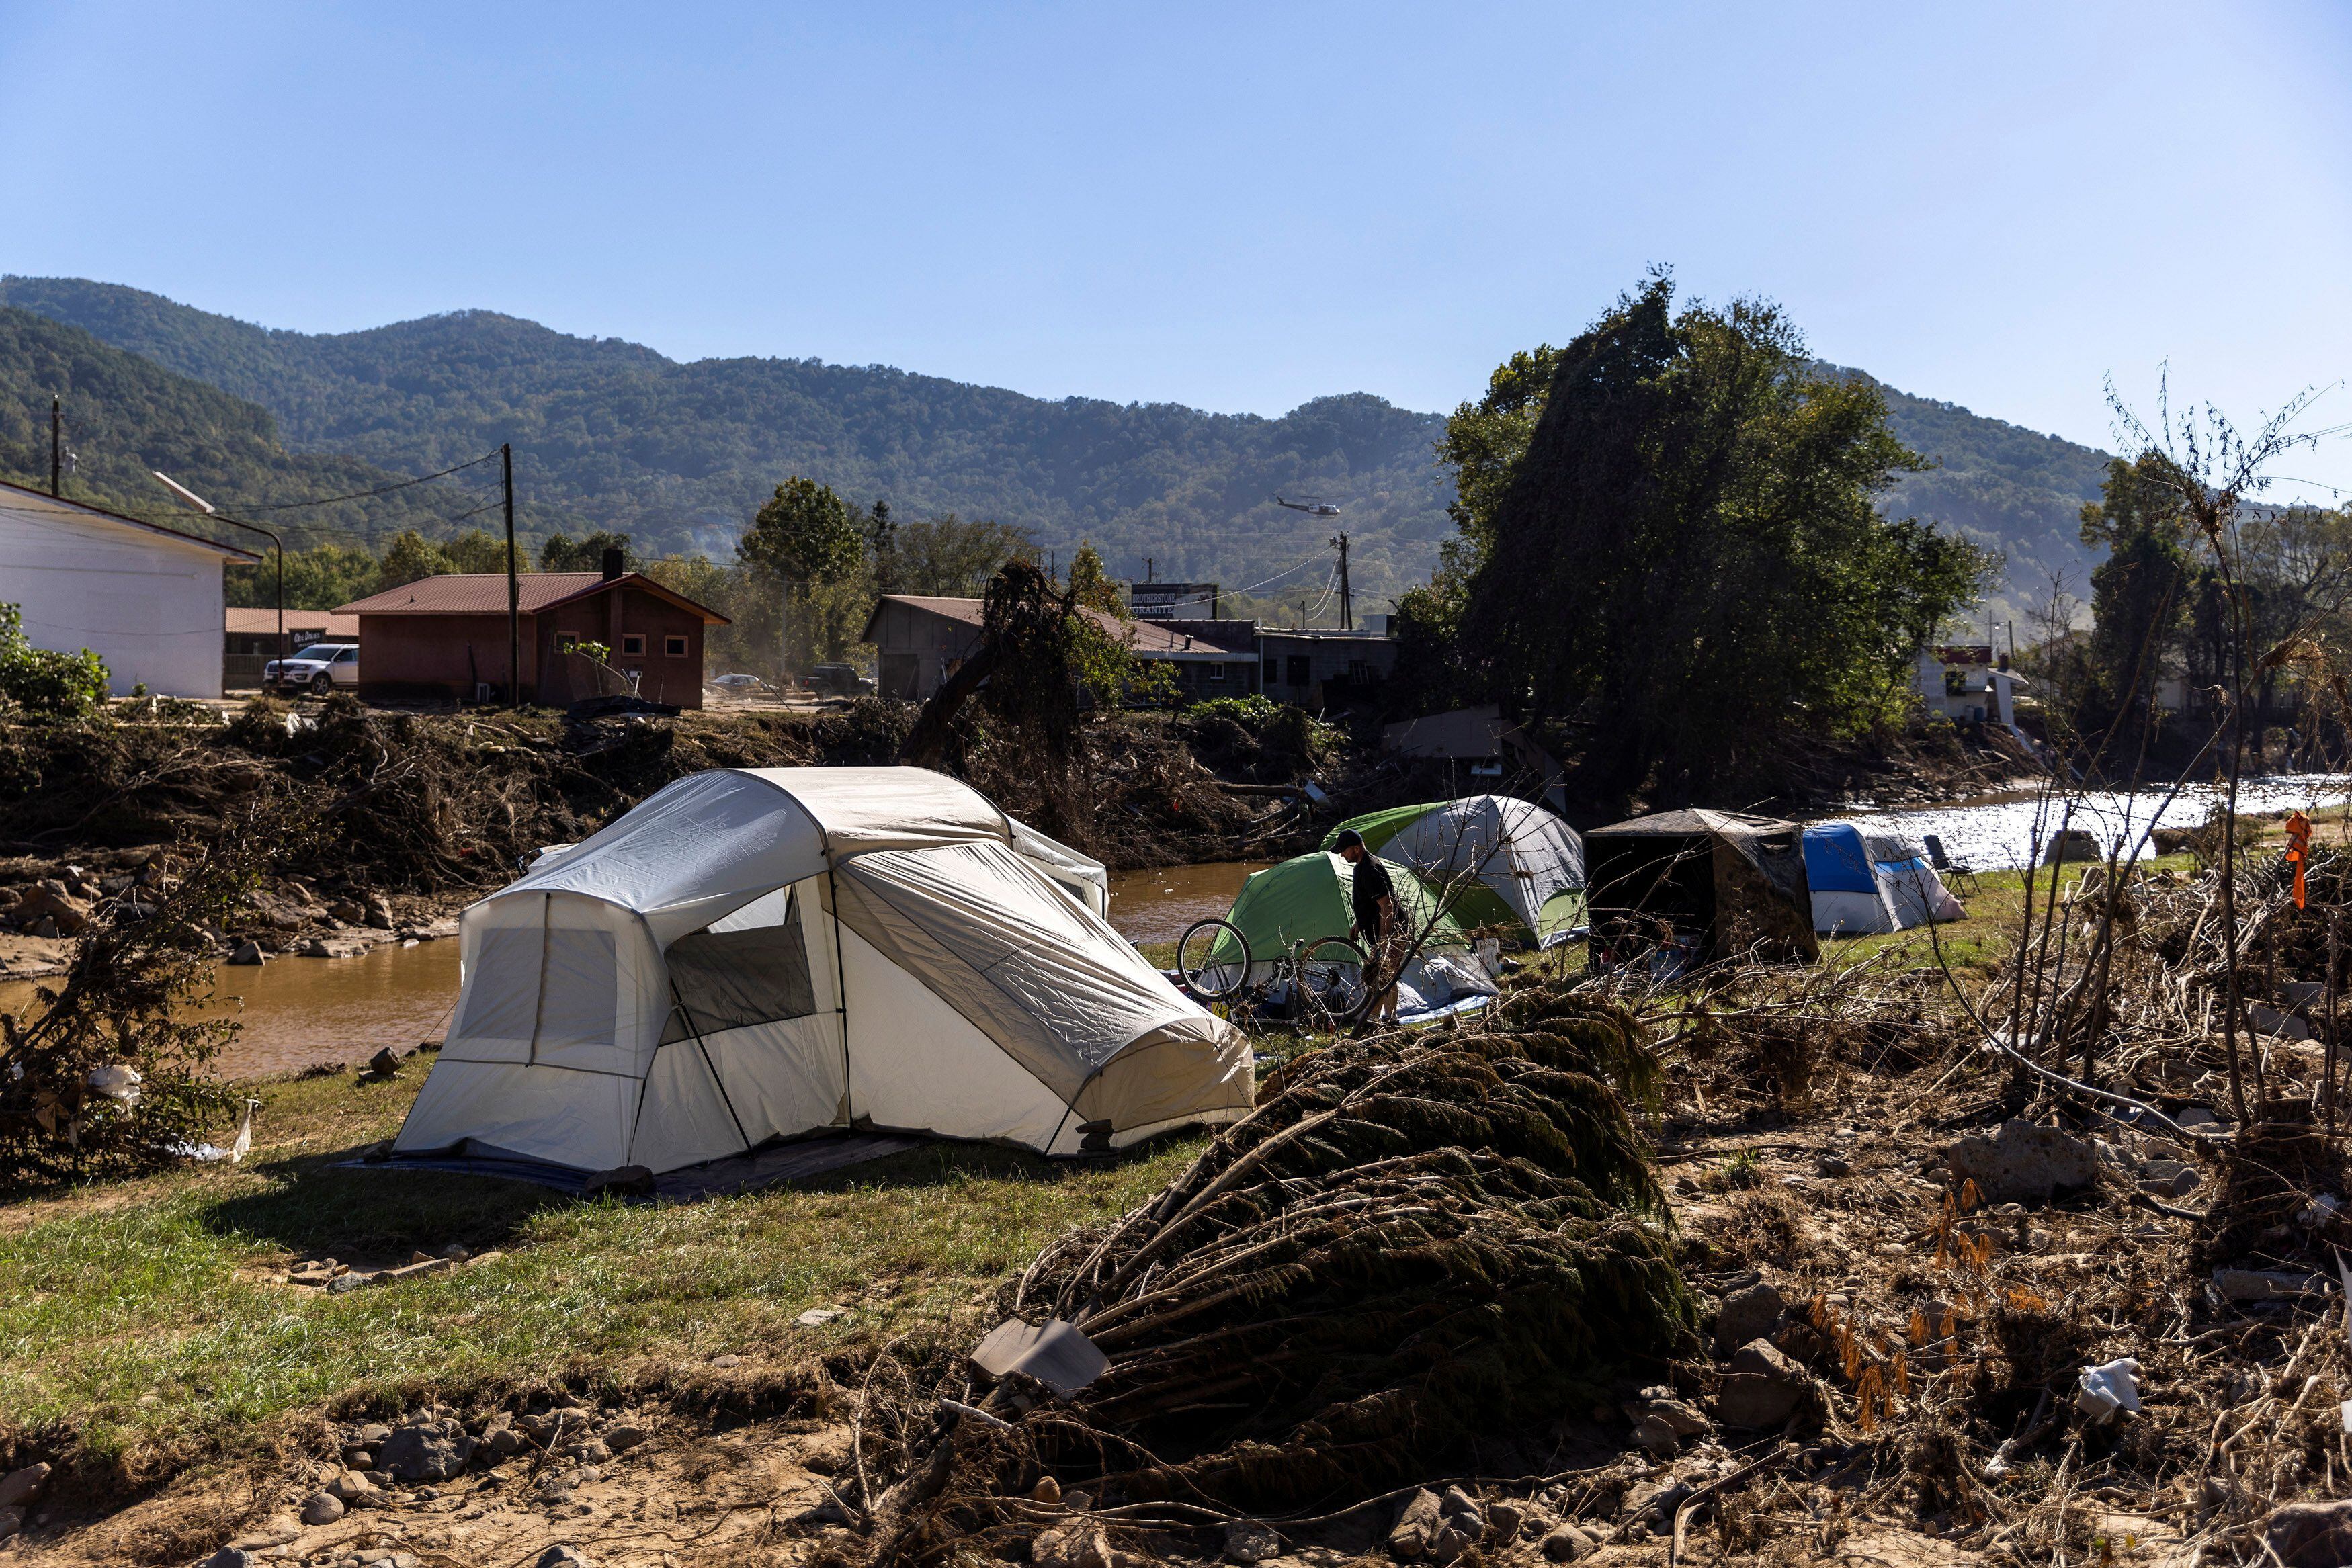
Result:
[
  {"x": 1148, "y": 564},
  {"x": 1346, "y": 600},
  {"x": 514, "y": 584},
  {"x": 57, "y": 444}
]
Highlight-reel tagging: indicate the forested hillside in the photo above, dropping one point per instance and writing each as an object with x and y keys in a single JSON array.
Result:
[
  {"x": 2006, "y": 487},
  {"x": 611, "y": 434},
  {"x": 680, "y": 456},
  {"x": 125, "y": 415}
]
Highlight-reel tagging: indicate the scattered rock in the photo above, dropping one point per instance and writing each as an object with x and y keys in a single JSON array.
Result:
[
  {"x": 1654, "y": 1501},
  {"x": 248, "y": 952},
  {"x": 1833, "y": 1165},
  {"x": 349, "y": 1487},
  {"x": 2024, "y": 1163},
  {"x": 47, "y": 901},
  {"x": 384, "y": 1063},
  {"x": 1081, "y": 1544},
  {"x": 1047, "y": 1490},
  {"x": 1763, "y": 1389},
  {"x": 818, "y": 1317},
  {"x": 1247, "y": 1541},
  {"x": 373, "y": 1434},
  {"x": 320, "y": 948},
  {"x": 21, "y": 1486},
  {"x": 1567, "y": 1543},
  {"x": 277, "y": 1530},
  {"x": 231, "y": 1557},
  {"x": 627, "y": 1434},
  {"x": 1505, "y": 1519},
  {"x": 1749, "y": 1315},
  {"x": 428, "y": 1450},
  {"x": 12, "y": 1520},
  {"x": 1417, "y": 1521},
  {"x": 724, "y": 1362},
  {"x": 588, "y": 1451},
  {"x": 324, "y": 1508},
  {"x": 565, "y": 1557},
  {"x": 1662, "y": 1423},
  {"x": 2311, "y": 1534},
  {"x": 2168, "y": 1178}
]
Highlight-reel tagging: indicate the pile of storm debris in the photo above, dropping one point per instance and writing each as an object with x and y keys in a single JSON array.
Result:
[{"x": 2029, "y": 1262}]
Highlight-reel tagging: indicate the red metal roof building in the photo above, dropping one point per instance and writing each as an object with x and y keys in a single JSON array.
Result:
[{"x": 446, "y": 637}]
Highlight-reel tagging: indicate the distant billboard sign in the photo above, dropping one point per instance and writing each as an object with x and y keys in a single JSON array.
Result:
[{"x": 1174, "y": 600}]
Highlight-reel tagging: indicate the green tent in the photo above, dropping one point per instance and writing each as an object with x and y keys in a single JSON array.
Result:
[
  {"x": 1511, "y": 863},
  {"x": 1306, "y": 898}
]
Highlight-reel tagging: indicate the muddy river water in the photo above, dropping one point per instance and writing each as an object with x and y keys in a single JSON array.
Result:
[{"x": 297, "y": 1012}]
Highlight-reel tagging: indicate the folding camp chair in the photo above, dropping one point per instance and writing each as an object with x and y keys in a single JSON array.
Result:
[{"x": 1957, "y": 872}]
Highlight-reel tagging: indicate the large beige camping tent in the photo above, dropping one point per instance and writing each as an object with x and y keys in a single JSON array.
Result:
[{"x": 755, "y": 953}]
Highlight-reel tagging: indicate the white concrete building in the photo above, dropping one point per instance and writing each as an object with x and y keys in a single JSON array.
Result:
[{"x": 146, "y": 599}]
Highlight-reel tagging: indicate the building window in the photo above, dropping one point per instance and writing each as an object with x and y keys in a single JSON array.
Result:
[
  {"x": 1301, "y": 671},
  {"x": 1273, "y": 670},
  {"x": 565, "y": 642},
  {"x": 633, "y": 642},
  {"x": 1217, "y": 673},
  {"x": 674, "y": 646}
]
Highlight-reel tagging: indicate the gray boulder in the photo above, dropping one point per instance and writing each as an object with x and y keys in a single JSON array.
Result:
[
  {"x": 1566, "y": 1543},
  {"x": 21, "y": 1486},
  {"x": 1418, "y": 1521},
  {"x": 324, "y": 1508},
  {"x": 1763, "y": 1389},
  {"x": 231, "y": 1557},
  {"x": 426, "y": 1451},
  {"x": 1749, "y": 1314},
  {"x": 2024, "y": 1163}
]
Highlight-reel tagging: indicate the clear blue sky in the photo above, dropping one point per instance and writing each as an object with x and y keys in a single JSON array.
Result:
[{"x": 1234, "y": 206}]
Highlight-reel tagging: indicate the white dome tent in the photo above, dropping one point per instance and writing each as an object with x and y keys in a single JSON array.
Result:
[{"x": 757, "y": 953}]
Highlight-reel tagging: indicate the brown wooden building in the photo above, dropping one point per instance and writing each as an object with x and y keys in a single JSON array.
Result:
[{"x": 446, "y": 637}]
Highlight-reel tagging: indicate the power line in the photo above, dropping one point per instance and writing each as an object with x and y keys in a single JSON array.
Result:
[{"x": 363, "y": 495}]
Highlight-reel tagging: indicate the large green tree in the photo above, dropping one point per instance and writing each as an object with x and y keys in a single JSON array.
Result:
[
  {"x": 1686, "y": 569},
  {"x": 804, "y": 533}
]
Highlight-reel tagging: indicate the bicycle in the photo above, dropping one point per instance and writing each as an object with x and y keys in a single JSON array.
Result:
[{"x": 1324, "y": 975}]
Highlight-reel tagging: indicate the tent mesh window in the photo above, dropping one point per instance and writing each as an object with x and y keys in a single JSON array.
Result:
[{"x": 728, "y": 980}]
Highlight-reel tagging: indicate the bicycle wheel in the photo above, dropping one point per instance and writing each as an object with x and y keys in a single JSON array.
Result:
[
  {"x": 1332, "y": 982},
  {"x": 1213, "y": 960}
]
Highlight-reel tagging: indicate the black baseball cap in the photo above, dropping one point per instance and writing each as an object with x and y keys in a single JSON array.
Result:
[{"x": 1349, "y": 838}]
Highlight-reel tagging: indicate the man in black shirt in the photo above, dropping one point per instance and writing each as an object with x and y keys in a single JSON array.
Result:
[{"x": 1378, "y": 927}]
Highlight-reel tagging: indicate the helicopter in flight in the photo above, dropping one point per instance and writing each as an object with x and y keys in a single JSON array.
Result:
[{"x": 1312, "y": 506}]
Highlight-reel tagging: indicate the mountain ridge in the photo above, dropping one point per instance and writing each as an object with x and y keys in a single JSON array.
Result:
[{"x": 679, "y": 453}]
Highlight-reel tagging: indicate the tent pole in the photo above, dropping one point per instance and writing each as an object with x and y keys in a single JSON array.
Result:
[{"x": 840, "y": 989}]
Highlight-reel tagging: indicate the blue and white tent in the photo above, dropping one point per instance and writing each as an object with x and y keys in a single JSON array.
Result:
[{"x": 1866, "y": 884}]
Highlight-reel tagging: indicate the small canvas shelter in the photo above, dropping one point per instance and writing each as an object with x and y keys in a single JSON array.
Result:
[
  {"x": 1308, "y": 898},
  {"x": 1721, "y": 883},
  {"x": 757, "y": 953},
  {"x": 1506, "y": 861}
]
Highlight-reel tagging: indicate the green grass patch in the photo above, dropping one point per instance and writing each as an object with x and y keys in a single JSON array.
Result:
[{"x": 141, "y": 1313}]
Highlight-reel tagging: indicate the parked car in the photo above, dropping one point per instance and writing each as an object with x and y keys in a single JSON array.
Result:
[
  {"x": 739, "y": 685},
  {"x": 836, "y": 680},
  {"x": 318, "y": 669}
]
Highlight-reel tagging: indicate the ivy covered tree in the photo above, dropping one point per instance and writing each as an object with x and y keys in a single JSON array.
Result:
[{"x": 1684, "y": 573}]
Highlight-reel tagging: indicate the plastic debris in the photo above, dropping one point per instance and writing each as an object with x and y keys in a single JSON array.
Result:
[
  {"x": 116, "y": 1082},
  {"x": 2105, "y": 1390},
  {"x": 1056, "y": 1356}
]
